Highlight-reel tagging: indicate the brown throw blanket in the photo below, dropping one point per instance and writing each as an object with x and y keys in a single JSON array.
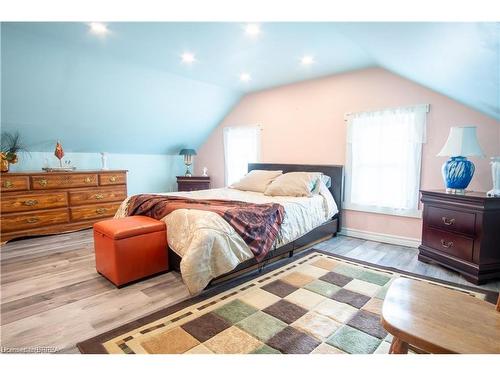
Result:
[{"x": 258, "y": 224}]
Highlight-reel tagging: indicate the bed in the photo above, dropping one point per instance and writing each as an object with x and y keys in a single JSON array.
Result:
[{"x": 207, "y": 250}]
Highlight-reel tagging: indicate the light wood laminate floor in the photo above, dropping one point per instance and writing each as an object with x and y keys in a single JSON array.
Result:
[{"x": 52, "y": 297}]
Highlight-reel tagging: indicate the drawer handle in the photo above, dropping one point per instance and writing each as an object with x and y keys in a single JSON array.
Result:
[
  {"x": 42, "y": 182},
  {"x": 448, "y": 221},
  {"x": 99, "y": 196},
  {"x": 100, "y": 211},
  {"x": 30, "y": 202},
  {"x": 7, "y": 184},
  {"x": 87, "y": 180},
  {"x": 112, "y": 179},
  {"x": 32, "y": 220},
  {"x": 446, "y": 244}
]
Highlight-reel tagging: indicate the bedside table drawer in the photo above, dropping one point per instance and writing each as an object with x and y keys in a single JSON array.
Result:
[
  {"x": 193, "y": 186},
  {"x": 446, "y": 219},
  {"x": 193, "y": 183},
  {"x": 449, "y": 243}
]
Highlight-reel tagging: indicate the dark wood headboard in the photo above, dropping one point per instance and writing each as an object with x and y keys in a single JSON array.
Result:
[{"x": 336, "y": 172}]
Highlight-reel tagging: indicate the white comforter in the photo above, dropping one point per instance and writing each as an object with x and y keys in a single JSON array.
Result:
[{"x": 210, "y": 247}]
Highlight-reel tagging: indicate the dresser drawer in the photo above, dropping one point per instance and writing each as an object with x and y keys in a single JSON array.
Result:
[
  {"x": 192, "y": 186},
  {"x": 447, "y": 219},
  {"x": 35, "y": 219},
  {"x": 119, "y": 178},
  {"x": 15, "y": 183},
  {"x": 61, "y": 181},
  {"x": 449, "y": 243},
  {"x": 96, "y": 196},
  {"x": 30, "y": 202},
  {"x": 93, "y": 211}
]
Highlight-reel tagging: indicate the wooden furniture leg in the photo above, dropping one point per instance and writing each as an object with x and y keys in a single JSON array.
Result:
[
  {"x": 424, "y": 316},
  {"x": 398, "y": 346}
]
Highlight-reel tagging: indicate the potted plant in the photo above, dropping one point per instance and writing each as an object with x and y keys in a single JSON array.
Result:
[{"x": 10, "y": 146}]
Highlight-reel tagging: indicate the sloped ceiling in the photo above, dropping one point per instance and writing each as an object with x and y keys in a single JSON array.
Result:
[{"x": 129, "y": 91}]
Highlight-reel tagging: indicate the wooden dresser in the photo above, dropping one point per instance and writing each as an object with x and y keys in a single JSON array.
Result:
[
  {"x": 193, "y": 183},
  {"x": 462, "y": 232},
  {"x": 35, "y": 203}
]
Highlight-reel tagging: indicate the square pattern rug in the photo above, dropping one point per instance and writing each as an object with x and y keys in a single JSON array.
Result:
[{"x": 317, "y": 304}]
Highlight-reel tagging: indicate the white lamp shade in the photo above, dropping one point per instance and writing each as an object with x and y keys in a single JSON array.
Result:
[{"x": 462, "y": 141}]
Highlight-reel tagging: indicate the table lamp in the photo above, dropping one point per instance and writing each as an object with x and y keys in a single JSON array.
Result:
[
  {"x": 458, "y": 171},
  {"x": 188, "y": 154}
]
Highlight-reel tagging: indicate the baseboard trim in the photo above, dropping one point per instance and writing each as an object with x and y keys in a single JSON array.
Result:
[{"x": 381, "y": 237}]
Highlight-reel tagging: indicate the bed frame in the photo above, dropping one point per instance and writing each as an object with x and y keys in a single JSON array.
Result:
[{"x": 319, "y": 234}]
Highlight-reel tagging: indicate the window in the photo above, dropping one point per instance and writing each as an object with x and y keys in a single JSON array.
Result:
[
  {"x": 241, "y": 146},
  {"x": 384, "y": 151}
]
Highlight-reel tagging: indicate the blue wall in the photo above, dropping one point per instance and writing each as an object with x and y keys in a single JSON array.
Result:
[
  {"x": 146, "y": 173},
  {"x": 93, "y": 102}
]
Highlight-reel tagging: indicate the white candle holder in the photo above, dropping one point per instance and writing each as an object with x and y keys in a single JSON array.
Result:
[{"x": 495, "y": 174}]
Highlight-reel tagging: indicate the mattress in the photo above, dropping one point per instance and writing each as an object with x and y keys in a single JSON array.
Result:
[{"x": 210, "y": 247}]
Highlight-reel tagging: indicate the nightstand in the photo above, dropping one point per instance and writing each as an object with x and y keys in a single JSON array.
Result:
[
  {"x": 462, "y": 232},
  {"x": 192, "y": 183}
]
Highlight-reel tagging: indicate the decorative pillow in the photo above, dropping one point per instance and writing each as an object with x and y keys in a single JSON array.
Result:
[
  {"x": 256, "y": 180},
  {"x": 294, "y": 184},
  {"x": 327, "y": 181}
]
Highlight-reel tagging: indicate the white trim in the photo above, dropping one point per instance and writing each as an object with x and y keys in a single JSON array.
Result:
[
  {"x": 418, "y": 107},
  {"x": 383, "y": 210},
  {"x": 381, "y": 237},
  {"x": 260, "y": 127}
]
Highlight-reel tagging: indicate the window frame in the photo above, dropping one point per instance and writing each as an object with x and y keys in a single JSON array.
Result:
[
  {"x": 412, "y": 213},
  {"x": 258, "y": 143}
]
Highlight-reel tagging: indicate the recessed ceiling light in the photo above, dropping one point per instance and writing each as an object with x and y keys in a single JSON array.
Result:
[
  {"x": 245, "y": 77},
  {"x": 187, "y": 58},
  {"x": 307, "y": 60},
  {"x": 252, "y": 29},
  {"x": 98, "y": 28}
]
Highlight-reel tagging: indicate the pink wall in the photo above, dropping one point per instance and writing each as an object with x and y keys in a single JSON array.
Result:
[{"x": 304, "y": 123}]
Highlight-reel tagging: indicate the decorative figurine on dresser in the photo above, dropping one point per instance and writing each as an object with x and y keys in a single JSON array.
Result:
[
  {"x": 34, "y": 203},
  {"x": 192, "y": 183},
  {"x": 462, "y": 232}
]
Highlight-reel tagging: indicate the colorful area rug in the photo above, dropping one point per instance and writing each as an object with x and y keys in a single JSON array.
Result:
[{"x": 318, "y": 303}]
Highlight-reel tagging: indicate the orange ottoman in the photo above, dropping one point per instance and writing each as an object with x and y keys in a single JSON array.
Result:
[{"x": 131, "y": 248}]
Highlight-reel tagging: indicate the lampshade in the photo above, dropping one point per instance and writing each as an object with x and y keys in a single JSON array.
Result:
[
  {"x": 187, "y": 151},
  {"x": 462, "y": 141}
]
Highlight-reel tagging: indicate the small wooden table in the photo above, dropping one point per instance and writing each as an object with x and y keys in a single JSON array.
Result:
[
  {"x": 192, "y": 183},
  {"x": 439, "y": 320}
]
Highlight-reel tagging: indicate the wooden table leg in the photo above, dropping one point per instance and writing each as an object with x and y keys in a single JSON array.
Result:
[{"x": 398, "y": 346}]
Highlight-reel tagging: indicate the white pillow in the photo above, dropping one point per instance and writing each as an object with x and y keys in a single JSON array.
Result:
[
  {"x": 256, "y": 180},
  {"x": 327, "y": 181},
  {"x": 294, "y": 184}
]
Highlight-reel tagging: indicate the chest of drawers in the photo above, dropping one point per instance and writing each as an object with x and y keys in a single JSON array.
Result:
[
  {"x": 34, "y": 203},
  {"x": 462, "y": 232}
]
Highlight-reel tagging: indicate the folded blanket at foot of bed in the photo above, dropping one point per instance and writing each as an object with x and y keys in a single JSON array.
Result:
[{"x": 257, "y": 224}]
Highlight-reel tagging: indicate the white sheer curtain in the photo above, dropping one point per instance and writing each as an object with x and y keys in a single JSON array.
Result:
[
  {"x": 384, "y": 151},
  {"x": 241, "y": 146}
]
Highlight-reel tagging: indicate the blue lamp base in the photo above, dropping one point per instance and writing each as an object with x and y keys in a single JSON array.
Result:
[{"x": 457, "y": 174}]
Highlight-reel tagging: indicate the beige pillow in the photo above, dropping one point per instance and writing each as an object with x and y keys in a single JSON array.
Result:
[
  {"x": 256, "y": 180},
  {"x": 294, "y": 184}
]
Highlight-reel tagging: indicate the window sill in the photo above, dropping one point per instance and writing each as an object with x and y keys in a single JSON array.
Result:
[{"x": 384, "y": 210}]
